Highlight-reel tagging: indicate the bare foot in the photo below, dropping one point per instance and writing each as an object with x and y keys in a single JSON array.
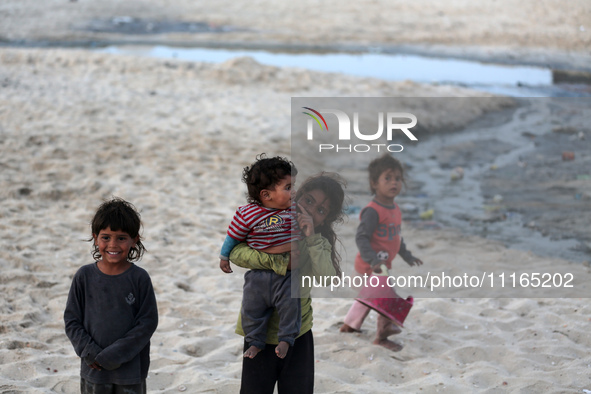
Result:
[
  {"x": 388, "y": 344},
  {"x": 347, "y": 328},
  {"x": 281, "y": 349},
  {"x": 392, "y": 329},
  {"x": 251, "y": 352}
]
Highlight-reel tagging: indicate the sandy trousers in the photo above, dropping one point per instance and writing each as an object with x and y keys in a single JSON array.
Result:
[
  {"x": 357, "y": 315},
  {"x": 263, "y": 291}
]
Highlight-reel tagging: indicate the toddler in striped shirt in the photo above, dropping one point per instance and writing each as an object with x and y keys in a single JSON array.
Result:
[{"x": 267, "y": 223}]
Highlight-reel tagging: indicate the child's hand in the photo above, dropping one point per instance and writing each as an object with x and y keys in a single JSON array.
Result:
[
  {"x": 225, "y": 266},
  {"x": 305, "y": 221},
  {"x": 416, "y": 262},
  {"x": 377, "y": 269},
  {"x": 95, "y": 365}
]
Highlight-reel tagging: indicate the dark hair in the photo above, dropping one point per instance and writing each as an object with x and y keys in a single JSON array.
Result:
[
  {"x": 118, "y": 215},
  {"x": 265, "y": 173},
  {"x": 381, "y": 164},
  {"x": 332, "y": 184}
]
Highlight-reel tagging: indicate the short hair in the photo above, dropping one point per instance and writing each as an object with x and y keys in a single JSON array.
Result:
[
  {"x": 378, "y": 166},
  {"x": 118, "y": 215},
  {"x": 265, "y": 173}
]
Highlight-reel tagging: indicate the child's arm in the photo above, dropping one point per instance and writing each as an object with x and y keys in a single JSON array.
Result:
[
  {"x": 318, "y": 250},
  {"x": 131, "y": 344},
  {"x": 244, "y": 256},
  {"x": 239, "y": 228},
  {"x": 83, "y": 344},
  {"x": 407, "y": 256},
  {"x": 229, "y": 244},
  {"x": 367, "y": 226},
  {"x": 314, "y": 247}
]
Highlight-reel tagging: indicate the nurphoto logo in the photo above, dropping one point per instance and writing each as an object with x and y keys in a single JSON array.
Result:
[{"x": 393, "y": 125}]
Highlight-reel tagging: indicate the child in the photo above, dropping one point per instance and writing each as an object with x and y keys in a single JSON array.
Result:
[
  {"x": 111, "y": 311},
  {"x": 320, "y": 202},
  {"x": 379, "y": 241},
  {"x": 266, "y": 225}
]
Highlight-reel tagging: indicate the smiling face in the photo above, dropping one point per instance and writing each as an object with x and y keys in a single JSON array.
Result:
[
  {"x": 388, "y": 186},
  {"x": 114, "y": 247}
]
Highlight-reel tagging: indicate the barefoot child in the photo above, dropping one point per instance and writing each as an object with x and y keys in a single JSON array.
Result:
[
  {"x": 379, "y": 241},
  {"x": 111, "y": 310},
  {"x": 266, "y": 225}
]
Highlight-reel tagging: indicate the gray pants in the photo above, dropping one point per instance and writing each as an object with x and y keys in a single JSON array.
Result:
[
  {"x": 264, "y": 291},
  {"x": 94, "y": 388}
]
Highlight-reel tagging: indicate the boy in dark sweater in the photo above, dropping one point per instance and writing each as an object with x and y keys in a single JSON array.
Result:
[{"x": 111, "y": 311}]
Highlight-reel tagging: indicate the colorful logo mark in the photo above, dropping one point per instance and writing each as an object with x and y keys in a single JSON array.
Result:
[
  {"x": 315, "y": 118},
  {"x": 274, "y": 220}
]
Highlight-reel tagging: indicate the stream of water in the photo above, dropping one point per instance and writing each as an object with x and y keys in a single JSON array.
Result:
[
  {"x": 450, "y": 201},
  {"x": 516, "y": 81}
]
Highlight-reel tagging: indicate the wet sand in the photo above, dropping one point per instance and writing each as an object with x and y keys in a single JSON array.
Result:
[
  {"x": 552, "y": 192},
  {"x": 526, "y": 177}
]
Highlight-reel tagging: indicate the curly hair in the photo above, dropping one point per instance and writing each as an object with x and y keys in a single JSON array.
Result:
[
  {"x": 265, "y": 173},
  {"x": 118, "y": 215},
  {"x": 332, "y": 185},
  {"x": 378, "y": 166}
]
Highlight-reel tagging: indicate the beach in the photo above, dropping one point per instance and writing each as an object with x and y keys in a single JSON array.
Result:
[{"x": 172, "y": 137}]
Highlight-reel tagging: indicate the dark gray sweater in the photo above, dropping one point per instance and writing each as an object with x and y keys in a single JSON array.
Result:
[{"x": 110, "y": 320}]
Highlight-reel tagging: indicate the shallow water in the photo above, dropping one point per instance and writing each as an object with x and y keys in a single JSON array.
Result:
[
  {"x": 457, "y": 204},
  {"x": 517, "y": 81}
]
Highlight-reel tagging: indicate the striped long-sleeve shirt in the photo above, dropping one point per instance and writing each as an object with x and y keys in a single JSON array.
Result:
[{"x": 263, "y": 227}]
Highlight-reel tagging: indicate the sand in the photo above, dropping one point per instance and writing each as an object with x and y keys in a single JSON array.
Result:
[{"x": 77, "y": 127}]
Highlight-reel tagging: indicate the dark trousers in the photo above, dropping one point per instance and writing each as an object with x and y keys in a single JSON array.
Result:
[
  {"x": 263, "y": 292},
  {"x": 293, "y": 374},
  {"x": 108, "y": 388}
]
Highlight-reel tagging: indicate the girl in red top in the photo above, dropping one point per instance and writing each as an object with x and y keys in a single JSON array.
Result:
[{"x": 378, "y": 240}]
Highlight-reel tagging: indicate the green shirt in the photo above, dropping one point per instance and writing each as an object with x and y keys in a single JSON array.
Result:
[{"x": 315, "y": 261}]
